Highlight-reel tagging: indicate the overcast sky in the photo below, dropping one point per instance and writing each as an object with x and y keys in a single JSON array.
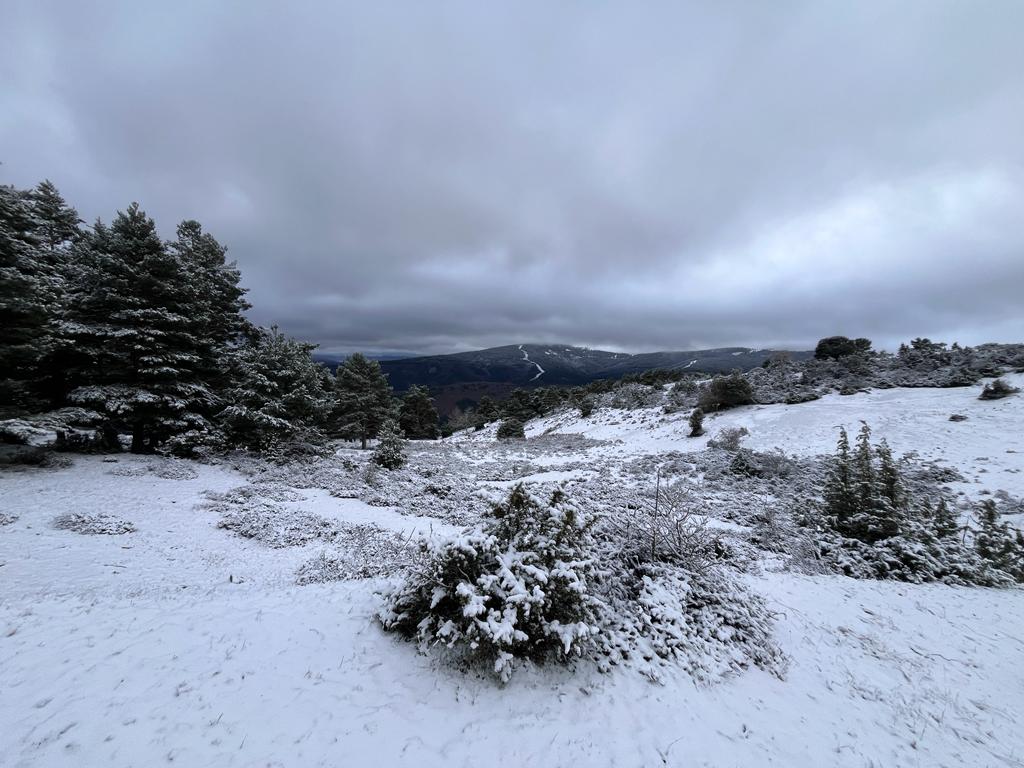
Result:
[{"x": 435, "y": 177}]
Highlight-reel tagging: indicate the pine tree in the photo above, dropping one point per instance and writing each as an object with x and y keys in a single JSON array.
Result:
[
  {"x": 363, "y": 398},
  {"x": 995, "y": 543},
  {"x": 511, "y": 429},
  {"x": 418, "y": 416},
  {"x": 217, "y": 320},
  {"x": 550, "y": 400},
  {"x": 487, "y": 409},
  {"x": 278, "y": 393},
  {"x": 944, "y": 521},
  {"x": 58, "y": 231},
  {"x": 129, "y": 319},
  {"x": 26, "y": 298},
  {"x": 839, "y": 495},
  {"x": 57, "y": 223},
  {"x": 890, "y": 484},
  {"x": 876, "y": 494},
  {"x": 390, "y": 450},
  {"x": 586, "y": 406},
  {"x": 696, "y": 422},
  {"x": 221, "y": 300},
  {"x": 863, "y": 470}
]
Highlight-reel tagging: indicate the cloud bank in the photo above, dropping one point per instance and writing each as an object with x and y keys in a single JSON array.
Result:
[{"x": 439, "y": 177}]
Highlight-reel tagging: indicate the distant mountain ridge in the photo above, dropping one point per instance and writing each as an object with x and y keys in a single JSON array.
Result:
[{"x": 527, "y": 365}]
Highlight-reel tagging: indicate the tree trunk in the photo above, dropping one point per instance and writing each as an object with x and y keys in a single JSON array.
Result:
[
  {"x": 110, "y": 441},
  {"x": 138, "y": 440}
]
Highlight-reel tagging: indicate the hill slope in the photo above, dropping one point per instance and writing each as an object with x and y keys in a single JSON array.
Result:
[
  {"x": 112, "y": 642},
  {"x": 558, "y": 364}
]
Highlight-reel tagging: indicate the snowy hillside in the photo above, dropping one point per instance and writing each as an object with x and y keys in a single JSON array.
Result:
[
  {"x": 189, "y": 640},
  {"x": 988, "y": 446}
]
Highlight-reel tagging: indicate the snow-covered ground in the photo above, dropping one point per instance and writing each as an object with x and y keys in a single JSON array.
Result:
[
  {"x": 184, "y": 643},
  {"x": 988, "y": 448}
]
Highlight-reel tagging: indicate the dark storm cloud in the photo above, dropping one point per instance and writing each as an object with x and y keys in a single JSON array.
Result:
[{"x": 431, "y": 177}]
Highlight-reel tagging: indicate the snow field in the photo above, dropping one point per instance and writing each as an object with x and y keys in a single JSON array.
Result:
[{"x": 185, "y": 643}]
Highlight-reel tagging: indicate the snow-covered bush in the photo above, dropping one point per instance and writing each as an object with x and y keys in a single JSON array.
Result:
[
  {"x": 96, "y": 524},
  {"x": 680, "y": 396},
  {"x": 997, "y": 390},
  {"x": 728, "y": 439},
  {"x": 275, "y": 525},
  {"x": 632, "y": 395},
  {"x": 750, "y": 463},
  {"x": 664, "y": 529},
  {"x": 705, "y": 622},
  {"x": 361, "y": 552},
  {"x": 726, "y": 392},
  {"x": 518, "y": 589},
  {"x": 390, "y": 450}
]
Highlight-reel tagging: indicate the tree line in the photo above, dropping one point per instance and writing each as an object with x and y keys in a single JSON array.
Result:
[{"x": 147, "y": 341}]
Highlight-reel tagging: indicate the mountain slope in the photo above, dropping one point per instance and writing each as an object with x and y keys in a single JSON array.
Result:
[{"x": 558, "y": 364}]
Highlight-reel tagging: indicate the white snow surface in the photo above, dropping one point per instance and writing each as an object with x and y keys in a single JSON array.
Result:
[
  {"x": 184, "y": 643},
  {"x": 988, "y": 448},
  {"x": 526, "y": 357}
]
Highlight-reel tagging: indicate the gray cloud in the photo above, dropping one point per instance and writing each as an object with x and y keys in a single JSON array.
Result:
[{"x": 433, "y": 177}]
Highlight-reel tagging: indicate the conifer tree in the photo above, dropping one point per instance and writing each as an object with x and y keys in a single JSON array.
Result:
[
  {"x": 220, "y": 300},
  {"x": 839, "y": 493},
  {"x": 58, "y": 231},
  {"x": 997, "y": 544},
  {"x": 876, "y": 513},
  {"x": 218, "y": 303},
  {"x": 944, "y": 521},
  {"x": 511, "y": 429},
  {"x": 363, "y": 399},
  {"x": 418, "y": 416},
  {"x": 130, "y": 321},
  {"x": 277, "y": 393},
  {"x": 487, "y": 409},
  {"x": 57, "y": 223},
  {"x": 390, "y": 450},
  {"x": 550, "y": 400},
  {"x": 586, "y": 406},
  {"x": 863, "y": 470},
  {"x": 26, "y": 298},
  {"x": 696, "y": 422},
  {"x": 890, "y": 485}
]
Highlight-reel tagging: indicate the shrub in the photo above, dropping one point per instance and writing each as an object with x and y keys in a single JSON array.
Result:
[
  {"x": 996, "y": 390},
  {"x": 519, "y": 589},
  {"x": 728, "y": 439},
  {"x": 726, "y": 392},
  {"x": 750, "y": 463},
  {"x": 680, "y": 395},
  {"x": 511, "y": 429},
  {"x": 94, "y": 524},
  {"x": 390, "y": 450},
  {"x": 696, "y": 422},
  {"x": 664, "y": 530},
  {"x": 586, "y": 407}
]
